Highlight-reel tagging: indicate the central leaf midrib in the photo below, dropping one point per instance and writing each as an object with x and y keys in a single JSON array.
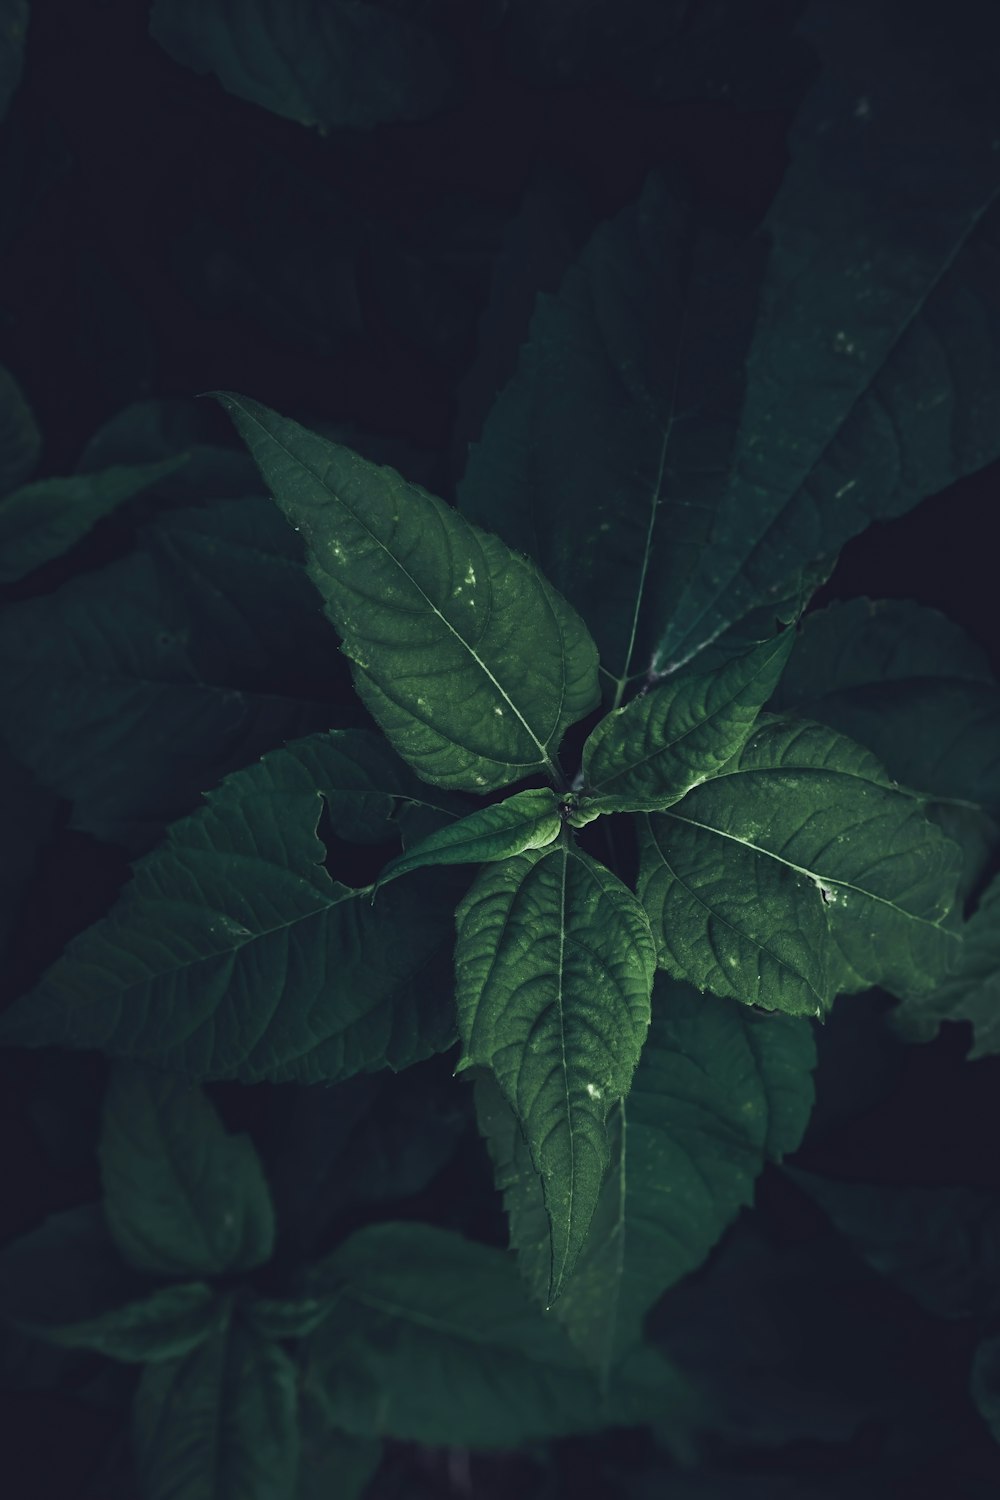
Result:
[{"x": 560, "y": 1012}]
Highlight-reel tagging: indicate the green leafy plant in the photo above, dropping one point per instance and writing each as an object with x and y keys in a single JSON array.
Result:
[{"x": 553, "y": 788}]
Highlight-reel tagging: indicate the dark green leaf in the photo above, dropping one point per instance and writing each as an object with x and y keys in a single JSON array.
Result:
[
  {"x": 972, "y": 992},
  {"x": 333, "y": 1463},
  {"x": 527, "y": 820},
  {"x": 20, "y": 439},
  {"x": 13, "y": 26},
  {"x": 134, "y": 689},
  {"x": 436, "y": 1341},
  {"x": 468, "y": 659},
  {"x": 554, "y": 965},
  {"x": 880, "y": 314},
  {"x": 288, "y": 1317},
  {"x": 984, "y": 1382},
  {"x": 220, "y": 1424},
  {"x": 907, "y": 683},
  {"x": 319, "y": 62},
  {"x": 232, "y": 953},
  {"x": 715, "y": 1095},
  {"x": 154, "y": 430},
  {"x": 43, "y": 520},
  {"x": 372, "y": 1138},
  {"x": 798, "y": 872},
  {"x": 64, "y": 1283},
  {"x": 606, "y": 455},
  {"x": 181, "y": 1197},
  {"x": 940, "y": 1244},
  {"x": 671, "y": 739}
]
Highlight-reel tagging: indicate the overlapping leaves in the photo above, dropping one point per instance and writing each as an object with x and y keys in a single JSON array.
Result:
[
  {"x": 799, "y": 871},
  {"x": 716, "y": 1093},
  {"x": 233, "y": 954},
  {"x": 466, "y": 656},
  {"x": 554, "y": 966}
]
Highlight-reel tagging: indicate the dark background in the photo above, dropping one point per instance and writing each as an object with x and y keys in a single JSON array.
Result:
[{"x": 140, "y": 258}]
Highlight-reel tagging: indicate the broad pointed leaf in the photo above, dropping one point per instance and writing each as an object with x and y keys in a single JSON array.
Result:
[
  {"x": 879, "y": 314},
  {"x": 605, "y": 457},
  {"x": 437, "y": 1341},
  {"x": 972, "y": 992},
  {"x": 220, "y": 1424},
  {"x": 65, "y": 1284},
  {"x": 233, "y": 954},
  {"x": 717, "y": 1093},
  {"x": 134, "y": 689},
  {"x": 554, "y": 965},
  {"x": 322, "y": 63},
  {"x": 797, "y": 872},
  {"x": 469, "y": 660},
  {"x": 181, "y": 1196},
  {"x": 42, "y": 520},
  {"x": 20, "y": 439},
  {"x": 652, "y": 752},
  {"x": 528, "y": 820}
]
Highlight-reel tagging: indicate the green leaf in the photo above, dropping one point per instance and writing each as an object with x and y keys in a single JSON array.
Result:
[
  {"x": 153, "y": 430},
  {"x": 134, "y": 689},
  {"x": 13, "y": 27},
  {"x": 64, "y": 1283},
  {"x": 468, "y": 659},
  {"x": 333, "y": 1464},
  {"x": 528, "y": 820},
  {"x": 972, "y": 992},
  {"x": 43, "y": 520},
  {"x": 605, "y": 457},
  {"x": 716, "y": 1093},
  {"x": 20, "y": 439},
  {"x": 324, "y": 63},
  {"x": 436, "y": 1341},
  {"x": 372, "y": 1138},
  {"x": 220, "y": 1424},
  {"x": 879, "y": 314},
  {"x": 797, "y": 872},
  {"x": 181, "y": 1196},
  {"x": 939, "y": 1244},
  {"x": 907, "y": 683},
  {"x": 554, "y": 965},
  {"x": 649, "y": 754},
  {"x": 288, "y": 1317},
  {"x": 232, "y": 953},
  {"x": 984, "y": 1382}
]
